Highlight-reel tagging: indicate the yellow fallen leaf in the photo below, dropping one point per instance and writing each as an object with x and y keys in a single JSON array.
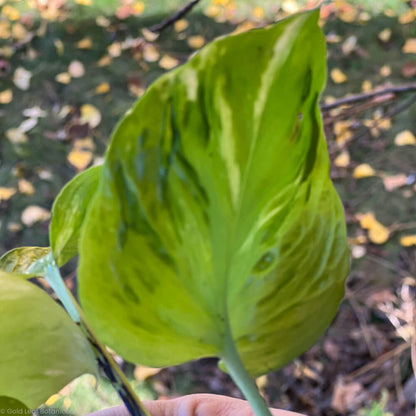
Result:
[
  {"x": 5, "y": 32},
  {"x": 25, "y": 187},
  {"x": 16, "y": 136},
  {"x": 168, "y": 62},
  {"x": 342, "y": 131},
  {"x": 150, "y": 53},
  {"x": 377, "y": 232},
  {"x": 142, "y": 373},
  {"x": 407, "y": 17},
  {"x": 149, "y": 35},
  {"x": 212, "y": 11},
  {"x": 406, "y": 137},
  {"x": 342, "y": 160},
  {"x": 196, "y": 42},
  {"x": 21, "y": 78},
  {"x": 338, "y": 76},
  {"x": 85, "y": 144},
  {"x": 181, "y": 25},
  {"x": 33, "y": 214},
  {"x": 363, "y": 171},
  {"x": 6, "y": 193},
  {"x": 349, "y": 45},
  {"x": 385, "y": 35},
  {"x": 76, "y": 69},
  {"x": 102, "y": 21},
  {"x": 408, "y": 240},
  {"x": 409, "y": 46},
  {"x": 63, "y": 78},
  {"x": 80, "y": 158},
  {"x": 258, "y": 12},
  {"x": 85, "y": 43},
  {"x": 393, "y": 182},
  {"x": 90, "y": 115},
  {"x": 10, "y": 12},
  {"x": 114, "y": 50},
  {"x": 366, "y": 86},
  {"x": 19, "y": 32},
  {"x": 103, "y": 88},
  {"x": 6, "y": 96},
  {"x": 385, "y": 71},
  {"x": 104, "y": 61}
]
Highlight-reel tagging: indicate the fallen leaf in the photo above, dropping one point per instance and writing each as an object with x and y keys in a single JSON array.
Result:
[
  {"x": 5, "y": 32},
  {"x": 76, "y": 69},
  {"x": 25, "y": 187},
  {"x": 11, "y": 12},
  {"x": 196, "y": 42},
  {"x": 114, "y": 50},
  {"x": 385, "y": 71},
  {"x": 80, "y": 158},
  {"x": 363, "y": 171},
  {"x": 104, "y": 61},
  {"x": 142, "y": 373},
  {"x": 407, "y": 17},
  {"x": 6, "y": 193},
  {"x": 342, "y": 132},
  {"x": 33, "y": 214},
  {"x": 408, "y": 240},
  {"x": 406, "y": 137},
  {"x": 393, "y": 182},
  {"x": 377, "y": 232},
  {"x": 16, "y": 136},
  {"x": 103, "y": 88},
  {"x": 19, "y": 32},
  {"x": 180, "y": 25},
  {"x": 6, "y": 96},
  {"x": 349, "y": 45},
  {"x": 149, "y": 35},
  {"x": 338, "y": 76},
  {"x": 90, "y": 115},
  {"x": 102, "y": 21},
  {"x": 21, "y": 78},
  {"x": 34, "y": 112},
  {"x": 150, "y": 53},
  {"x": 28, "y": 124},
  {"x": 168, "y": 62},
  {"x": 14, "y": 227},
  {"x": 342, "y": 160},
  {"x": 85, "y": 43},
  {"x": 63, "y": 78},
  {"x": 385, "y": 35},
  {"x": 409, "y": 46},
  {"x": 366, "y": 86}
]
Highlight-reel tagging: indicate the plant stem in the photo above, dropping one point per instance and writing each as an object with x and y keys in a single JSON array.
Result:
[
  {"x": 105, "y": 360},
  {"x": 242, "y": 378}
]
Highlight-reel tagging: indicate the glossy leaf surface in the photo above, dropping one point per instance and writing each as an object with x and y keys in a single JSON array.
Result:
[
  {"x": 41, "y": 350},
  {"x": 68, "y": 214},
  {"x": 215, "y": 220},
  {"x": 26, "y": 261}
]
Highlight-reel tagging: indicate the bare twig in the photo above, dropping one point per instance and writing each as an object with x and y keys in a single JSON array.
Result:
[
  {"x": 401, "y": 89},
  {"x": 174, "y": 17}
]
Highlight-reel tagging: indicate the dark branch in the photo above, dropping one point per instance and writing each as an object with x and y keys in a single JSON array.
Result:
[
  {"x": 174, "y": 17},
  {"x": 366, "y": 96}
]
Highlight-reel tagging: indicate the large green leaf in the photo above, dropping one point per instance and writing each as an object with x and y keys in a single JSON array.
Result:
[
  {"x": 41, "y": 349},
  {"x": 68, "y": 214},
  {"x": 215, "y": 222}
]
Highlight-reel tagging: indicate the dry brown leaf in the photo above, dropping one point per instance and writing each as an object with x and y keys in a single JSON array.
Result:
[
  {"x": 338, "y": 76},
  {"x": 406, "y": 137},
  {"x": 33, "y": 214},
  {"x": 21, "y": 78},
  {"x": 342, "y": 160},
  {"x": 6, "y": 193},
  {"x": 196, "y": 42},
  {"x": 408, "y": 240},
  {"x": 393, "y": 182},
  {"x": 409, "y": 46},
  {"x": 90, "y": 115},
  {"x": 85, "y": 43},
  {"x": 168, "y": 62},
  {"x": 6, "y": 96},
  {"x": 76, "y": 69},
  {"x": 25, "y": 187},
  {"x": 103, "y": 88},
  {"x": 363, "y": 171}
]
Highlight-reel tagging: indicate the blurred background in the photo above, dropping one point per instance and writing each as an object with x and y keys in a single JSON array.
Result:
[{"x": 69, "y": 69}]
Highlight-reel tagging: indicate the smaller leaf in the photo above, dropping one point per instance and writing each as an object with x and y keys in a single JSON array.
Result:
[
  {"x": 76, "y": 69},
  {"x": 409, "y": 46},
  {"x": 168, "y": 62},
  {"x": 408, "y": 240},
  {"x": 90, "y": 115},
  {"x": 6, "y": 193},
  {"x": 25, "y": 187},
  {"x": 63, "y": 78},
  {"x": 26, "y": 261},
  {"x": 21, "y": 78},
  {"x": 150, "y": 53},
  {"x": 385, "y": 71},
  {"x": 33, "y": 214},
  {"x": 6, "y": 96},
  {"x": 385, "y": 35},
  {"x": 377, "y": 232},
  {"x": 393, "y": 182},
  {"x": 180, "y": 25},
  {"x": 338, "y": 76},
  {"x": 407, "y": 17},
  {"x": 103, "y": 88},
  {"x": 342, "y": 160},
  {"x": 406, "y": 137},
  {"x": 363, "y": 171},
  {"x": 85, "y": 43},
  {"x": 196, "y": 42}
]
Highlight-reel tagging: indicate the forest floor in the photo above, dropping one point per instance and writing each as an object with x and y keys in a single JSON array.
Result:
[{"x": 67, "y": 77}]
